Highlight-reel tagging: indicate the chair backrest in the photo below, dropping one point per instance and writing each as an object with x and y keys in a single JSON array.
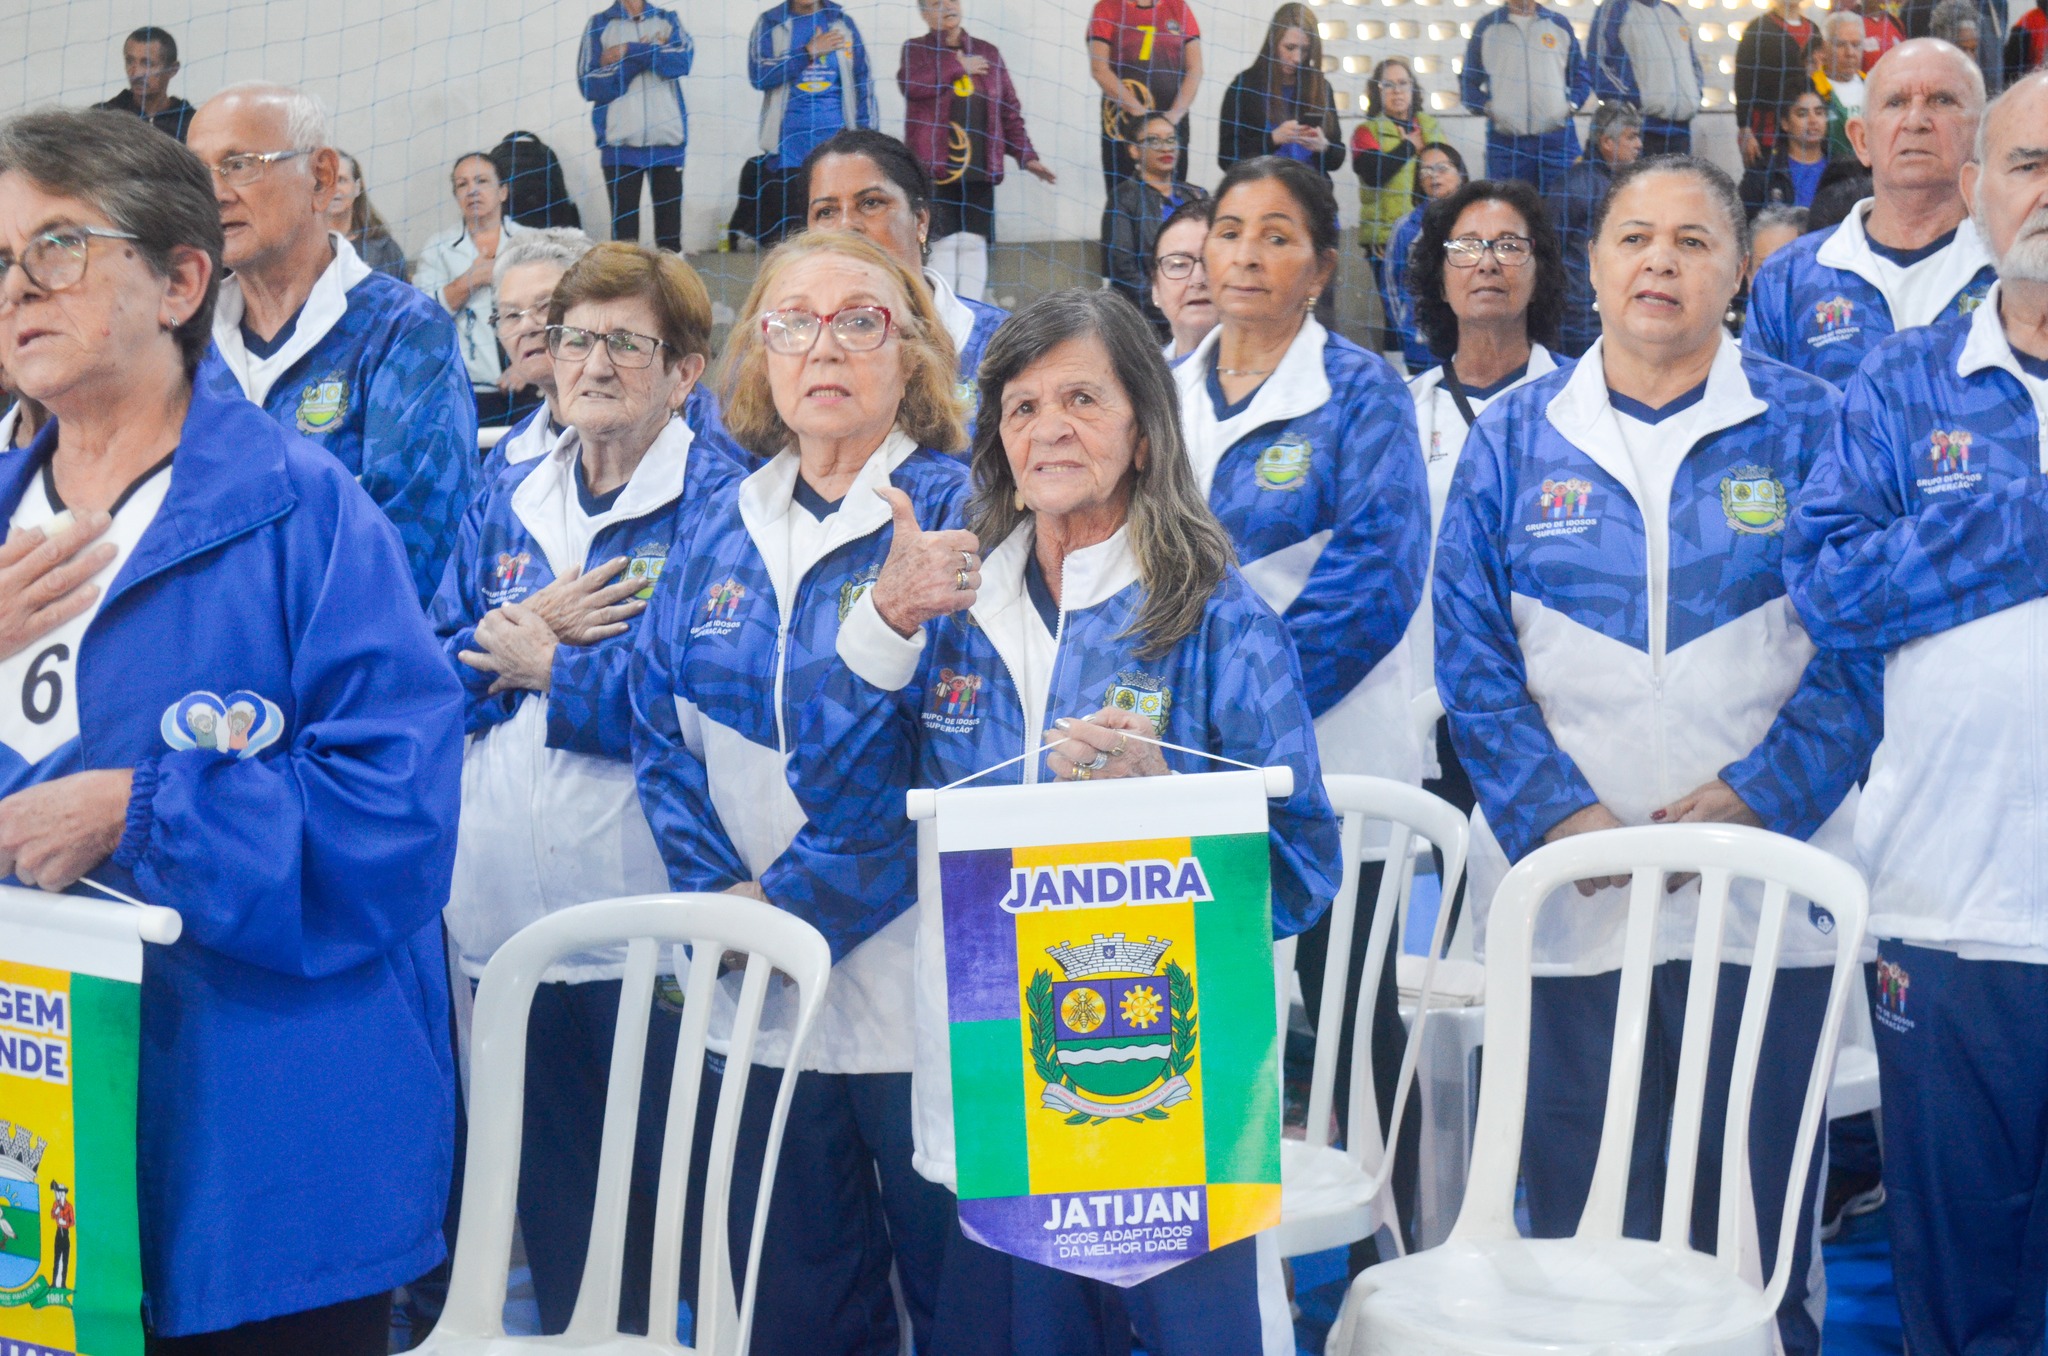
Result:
[
  {"x": 1721, "y": 854},
  {"x": 1409, "y": 813},
  {"x": 709, "y": 926}
]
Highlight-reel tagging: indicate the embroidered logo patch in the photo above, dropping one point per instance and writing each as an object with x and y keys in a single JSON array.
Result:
[
  {"x": 720, "y": 603},
  {"x": 1948, "y": 455},
  {"x": 1835, "y": 322},
  {"x": 1562, "y": 508},
  {"x": 951, "y": 706},
  {"x": 1136, "y": 690},
  {"x": 1284, "y": 465},
  {"x": 1754, "y": 500},
  {"x": 241, "y": 724},
  {"x": 322, "y": 405},
  {"x": 1549, "y": 41},
  {"x": 854, "y": 589},
  {"x": 645, "y": 566}
]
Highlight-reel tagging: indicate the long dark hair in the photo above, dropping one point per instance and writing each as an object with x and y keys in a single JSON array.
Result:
[
  {"x": 1433, "y": 314},
  {"x": 364, "y": 222},
  {"x": 1312, "y": 89},
  {"x": 1182, "y": 552}
]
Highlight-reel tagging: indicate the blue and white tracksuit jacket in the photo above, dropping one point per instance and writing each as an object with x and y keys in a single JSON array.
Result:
[
  {"x": 1526, "y": 77},
  {"x": 1643, "y": 54},
  {"x": 1923, "y": 536},
  {"x": 373, "y": 374},
  {"x": 1827, "y": 300},
  {"x": 1573, "y": 674},
  {"x": 295, "y": 1125},
  {"x": 970, "y": 324},
  {"x": 1320, "y": 484},
  {"x": 637, "y": 107},
  {"x": 740, "y": 785},
  {"x": 773, "y": 67},
  {"x": 979, "y": 687},
  {"x": 550, "y": 813}
]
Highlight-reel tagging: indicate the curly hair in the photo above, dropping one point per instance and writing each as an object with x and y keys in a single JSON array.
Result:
[
  {"x": 1433, "y": 314},
  {"x": 930, "y": 412}
]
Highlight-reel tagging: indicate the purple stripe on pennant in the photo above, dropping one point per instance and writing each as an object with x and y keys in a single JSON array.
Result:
[
  {"x": 1122, "y": 1237},
  {"x": 981, "y": 938}
]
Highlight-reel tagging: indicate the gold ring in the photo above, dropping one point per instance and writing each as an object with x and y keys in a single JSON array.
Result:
[
  {"x": 1122, "y": 741},
  {"x": 1082, "y": 772},
  {"x": 960, "y": 584}
]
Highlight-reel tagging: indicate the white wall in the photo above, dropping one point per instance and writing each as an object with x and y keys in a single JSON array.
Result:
[{"x": 415, "y": 84}]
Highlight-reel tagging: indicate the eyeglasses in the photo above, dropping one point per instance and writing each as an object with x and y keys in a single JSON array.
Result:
[
  {"x": 505, "y": 320},
  {"x": 246, "y": 167},
  {"x": 55, "y": 259},
  {"x": 1509, "y": 251},
  {"x": 859, "y": 329},
  {"x": 1178, "y": 266},
  {"x": 1430, "y": 171},
  {"x": 625, "y": 348},
  {"x": 1159, "y": 143}
]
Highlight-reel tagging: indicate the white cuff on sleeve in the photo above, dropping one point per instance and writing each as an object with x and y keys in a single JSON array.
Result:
[{"x": 875, "y": 653}]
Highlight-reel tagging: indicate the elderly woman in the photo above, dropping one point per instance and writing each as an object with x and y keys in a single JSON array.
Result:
[
  {"x": 869, "y": 183},
  {"x": 1489, "y": 279},
  {"x": 1439, "y": 172},
  {"x": 1180, "y": 285},
  {"x": 841, "y": 374},
  {"x": 522, "y": 281},
  {"x": 557, "y": 557},
  {"x": 456, "y": 267},
  {"x": 1304, "y": 444},
  {"x": 301, "y": 1016},
  {"x": 1614, "y": 646},
  {"x": 1103, "y": 559}
]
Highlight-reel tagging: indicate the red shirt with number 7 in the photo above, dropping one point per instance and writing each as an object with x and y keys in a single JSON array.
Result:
[{"x": 1147, "y": 43}]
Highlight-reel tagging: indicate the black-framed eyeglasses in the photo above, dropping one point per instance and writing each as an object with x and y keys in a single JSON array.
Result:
[
  {"x": 508, "y": 319},
  {"x": 1509, "y": 251},
  {"x": 245, "y": 167},
  {"x": 1178, "y": 266},
  {"x": 55, "y": 259},
  {"x": 859, "y": 329},
  {"x": 572, "y": 344},
  {"x": 1158, "y": 143}
]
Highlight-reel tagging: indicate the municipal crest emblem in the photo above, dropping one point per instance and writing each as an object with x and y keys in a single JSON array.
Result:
[
  {"x": 645, "y": 566},
  {"x": 854, "y": 589},
  {"x": 21, "y": 1224},
  {"x": 1949, "y": 449},
  {"x": 1284, "y": 465},
  {"x": 322, "y": 405},
  {"x": 1135, "y": 690},
  {"x": 968, "y": 397},
  {"x": 1753, "y": 500},
  {"x": 1114, "y": 1039},
  {"x": 1972, "y": 298},
  {"x": 240, "y": 725}
]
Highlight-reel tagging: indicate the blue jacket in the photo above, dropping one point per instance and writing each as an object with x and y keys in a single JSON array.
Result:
[
  {"x": 1320, "y": 483},
  {"x": 773, "y": 66},
  {"x": 1414, "y": 349},
  {"x": 531, "y": 437},
  {"x": 1920, "y": 536},
  {"x": 1526, "y": 81},
  {"x": 970, "y": 324},
  {"x": 1635, "y": 61},
  {"x": 296, "y": 1117},
  {"x": 1565, "y": 684},
  {"x": 739, "y": 639},
  {"x": 550, "y": 817},
  {"x": 663, "y": 64},
  {"x": 1571, "y": 204},
  {"x": 373, "y": 374},
  {"x": 1826, "y": 300}
]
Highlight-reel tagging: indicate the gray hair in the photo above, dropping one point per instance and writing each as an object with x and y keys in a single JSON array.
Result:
[
  {"x": 1611, "y": 118},
  {"x": 1776, "y": 215},
  {"x": 1951, "y": 17},
  {"x": 1183, "y": 553},
  {"x": 306, "y": 124},
  {"x": 561, "y": 246},
  {"x": 144, "y": 182},
  {"x": 1840, "y": 17}
]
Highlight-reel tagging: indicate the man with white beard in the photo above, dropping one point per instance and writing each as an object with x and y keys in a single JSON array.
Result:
[{"x": 1924, "y": 534}]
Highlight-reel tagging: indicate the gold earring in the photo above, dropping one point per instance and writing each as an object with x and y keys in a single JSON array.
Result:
[{"x": 1017, "y": 498}]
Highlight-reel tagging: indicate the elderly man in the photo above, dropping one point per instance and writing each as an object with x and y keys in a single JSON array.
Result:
[
  {"x": 1525, "y": 75},
  {"x": 1617, "y": 139},
  {"x": 150, "y": 57},
  {"x": 1907, "y": 256},
  {"x": 355, "y": 360},
  {"x": 1839, "y": 79},
  {"x": 1924, "y": 534}
]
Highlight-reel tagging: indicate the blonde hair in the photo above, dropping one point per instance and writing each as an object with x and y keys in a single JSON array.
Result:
[{"x": 930, "y": 413}]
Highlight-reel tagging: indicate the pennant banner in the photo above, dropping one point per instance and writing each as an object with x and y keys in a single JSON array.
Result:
[
  {"x": 70, "y": 1016},
  {"x": 1109, "y": 965}
]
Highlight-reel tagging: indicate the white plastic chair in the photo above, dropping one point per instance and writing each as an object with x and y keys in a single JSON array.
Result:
[
  {"x": 710, "y": 925},
  {"x": 1488, "y": 1290},
  {"x": 1855, "y": 1087},
  {"x": 1328, "y": 1196},
  {"x": 490, "y": 436}
]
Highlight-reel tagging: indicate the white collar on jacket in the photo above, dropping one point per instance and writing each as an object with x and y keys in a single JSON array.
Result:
[
  {"x": 541, "y": 499},
  {"x": 1088, "y": 577},
  {"x": 1915, "y": 296},
  {"x": 1541, "y": 364},
  {"x": 953, "y": 312},
  {"x": 535, "y": 440},
  {"x": 1583, "y": 413},
  {"x": 768, "y": 497},
  {"x": 1987, "y": 347},
  {"x": 325, "y": 305},
  {"x": 1299, "y": 385}
]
